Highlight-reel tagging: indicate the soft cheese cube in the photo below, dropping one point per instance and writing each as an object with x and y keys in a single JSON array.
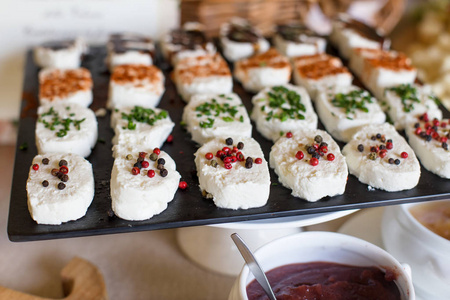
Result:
[
  {"x": 66, "y": 128},
  {"x": 140, "y": 190},
  {"x": 343, "y": 110},
  {"x": 210, "y": 116},
  {"x": 130, "y": 49},
  {"x": 65, "y": 85},
  {"x": 432, "y": 147},
  {"x": 318, "y": 72},
  {"x": 263, "y": 70},
  {"x": 405, "y": 102},
  {"x": 207, "y": 74},
  {"x": 237, "y": 184},
  {"x": 280, "y": 109},
  {"x": 310, "y": 173},
  {"x": 64, "y": 54},
  {"x": 131, "y": 85},
  {"x": 348, "y": 34},
  {"x": 136, "y": 125},
  {"x": 60, "y": 188},
  {"x": 296, "y": 40},
  {"x": 240, "y": 39},
  {"x": 380, "y": 157},
  {"x": 187, "y": 41},
  {"x": 379, "y": 69}
]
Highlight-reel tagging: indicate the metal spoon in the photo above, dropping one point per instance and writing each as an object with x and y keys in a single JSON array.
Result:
[{"x": 253, "y": 265}]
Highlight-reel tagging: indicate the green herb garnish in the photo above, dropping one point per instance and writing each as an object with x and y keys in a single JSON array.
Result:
[
  {"x": 139, "y": 114},
  {"x": 352, "y": 101},
  {"x": 284, "y": 104},
  {"x": 225, "y": 111},
  {"x": 407, "y": 94},
  {"x": 52, "y": 120}
]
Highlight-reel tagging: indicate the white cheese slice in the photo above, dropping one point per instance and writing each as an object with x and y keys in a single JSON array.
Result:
[
  {"x": 263, "y": 70},
  {"x": 143, "y": 127},
  {"x": 141, "y": 85},
  {"x": 79, "y": 136},
  {"x": 209, "y": 116},
  {"x": 139, "y": 197},
  {"x": 342, "y": 125},
  {"x": 433, "y": 156},
  {"x": 272, "y": 116},
  {"x": 379, "y": 173},
  {"x": 310, "y": 45},
  {"x": 238, "y": 187},
  {"x": 404, "y": 103},
  {"x": 51, "y": 205},
  {"x": 312, "y": 183}
]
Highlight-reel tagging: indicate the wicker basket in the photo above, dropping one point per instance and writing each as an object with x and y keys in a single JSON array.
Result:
[{"x": 264, "y": 14}]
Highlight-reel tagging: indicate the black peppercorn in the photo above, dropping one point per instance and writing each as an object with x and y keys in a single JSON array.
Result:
[
  {"x": 428, "y": 138},
  {"x": 416, "y": 125},
  {"x": 65, "y": 178},
  {"x": 160, "y": 166},
  {"x": 60, "y": 175},
  {"x": 161, "y": 161},
  {"x": 63, "y": 162},
  {"x": 435, "y": 128},
  {"x": 249, "y": 159},
  {"x": 163, "y": 172},
  {"x": 55, "y": 172},
  {"x": 378, "y": 135},
  {"x": 229, "y": 141},
  {"x": 61, "y": 186},
  {"x": 391, "y": 161},
  {"x": 445, "y": 146},
  {"x": 318, "y": 139},
  {"x": 248, "y": 164},
  {"x": 323, "y": 144},
  {"x": 240, "y": 145},
  {"x": 45, "y": 161},
  {"x": 397, "y": 161},
  {"x": 360, "y": 147},
  {"x": 389, "y": 140},
  {"x": 316, "y": 155},
  {"x": 45, "y": 183},
  {"x": 311, "y": 150},
  {"x": 373, "y": 138},
  {"x": 140, "y": 159},
  {"x": 423, "y": 134},
  {"x": 138, "y": 165},
  {"x": 382, "y": 147}
]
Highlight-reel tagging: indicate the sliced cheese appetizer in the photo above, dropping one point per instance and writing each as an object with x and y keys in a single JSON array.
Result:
[
  {"x": 240, "y": 39},
  {"x": 405, "y": 102},
  {"x": 263, "y": 70},
  {"x": 429, "y": 138},
  {"x": 141, "y": 85},
  {"x": 309, "y": 162},
  {"x": 66, "y": 128},
  {"x": 65, "y": 85},
  {"x": 280, "y": 109},
  {"x": 320, "y": 71},
  {"x": 60, "y": 188},
  {"x": 209, "y": 116},
  {"x": 380, "y": 157},
  {"x": 129, "y": 49},
  {"x": 207, "y": 74},
  {"x": 233, "y": 173},
  {"x": 136, "y": 125},
  {"x": 295, "y": 39},
  {"x": 343, "y": 110},
  {"x": 64, "y": 54},
  {"x": 142, "y": 183}
]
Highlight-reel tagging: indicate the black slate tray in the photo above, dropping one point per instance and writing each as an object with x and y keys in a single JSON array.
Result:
[{"x": 188, "y": 207}]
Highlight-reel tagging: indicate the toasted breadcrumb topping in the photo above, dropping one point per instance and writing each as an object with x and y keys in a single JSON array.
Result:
[{"x": 57, "y": 83}]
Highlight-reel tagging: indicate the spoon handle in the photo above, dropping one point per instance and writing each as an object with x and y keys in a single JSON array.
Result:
[{"x": 253, "y": 265}]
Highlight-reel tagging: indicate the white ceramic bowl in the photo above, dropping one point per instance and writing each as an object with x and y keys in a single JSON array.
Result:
[
  {"x": 323, "y": 246},
  {"x": 427, "y": 253}
]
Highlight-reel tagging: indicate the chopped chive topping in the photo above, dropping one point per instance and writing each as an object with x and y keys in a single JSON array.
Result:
[
  {"x": 284, "y": 104},
  {"x": 352, "y": 101},
  {"x": 140, "y": 114},
  {"x": 56, "y": 121},
  {"x": 407, "y": 94},
  {"x": 227, "y": 112}
]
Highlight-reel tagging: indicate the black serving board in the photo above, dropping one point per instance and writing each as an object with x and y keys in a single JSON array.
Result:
[{"x": 188, "y": 208}]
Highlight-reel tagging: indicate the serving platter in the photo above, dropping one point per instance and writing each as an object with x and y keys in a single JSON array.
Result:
[{"x": 188, "y": 208}]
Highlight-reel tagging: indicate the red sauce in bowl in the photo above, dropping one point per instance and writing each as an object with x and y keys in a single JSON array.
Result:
[{"x": 327, "y": 281}]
